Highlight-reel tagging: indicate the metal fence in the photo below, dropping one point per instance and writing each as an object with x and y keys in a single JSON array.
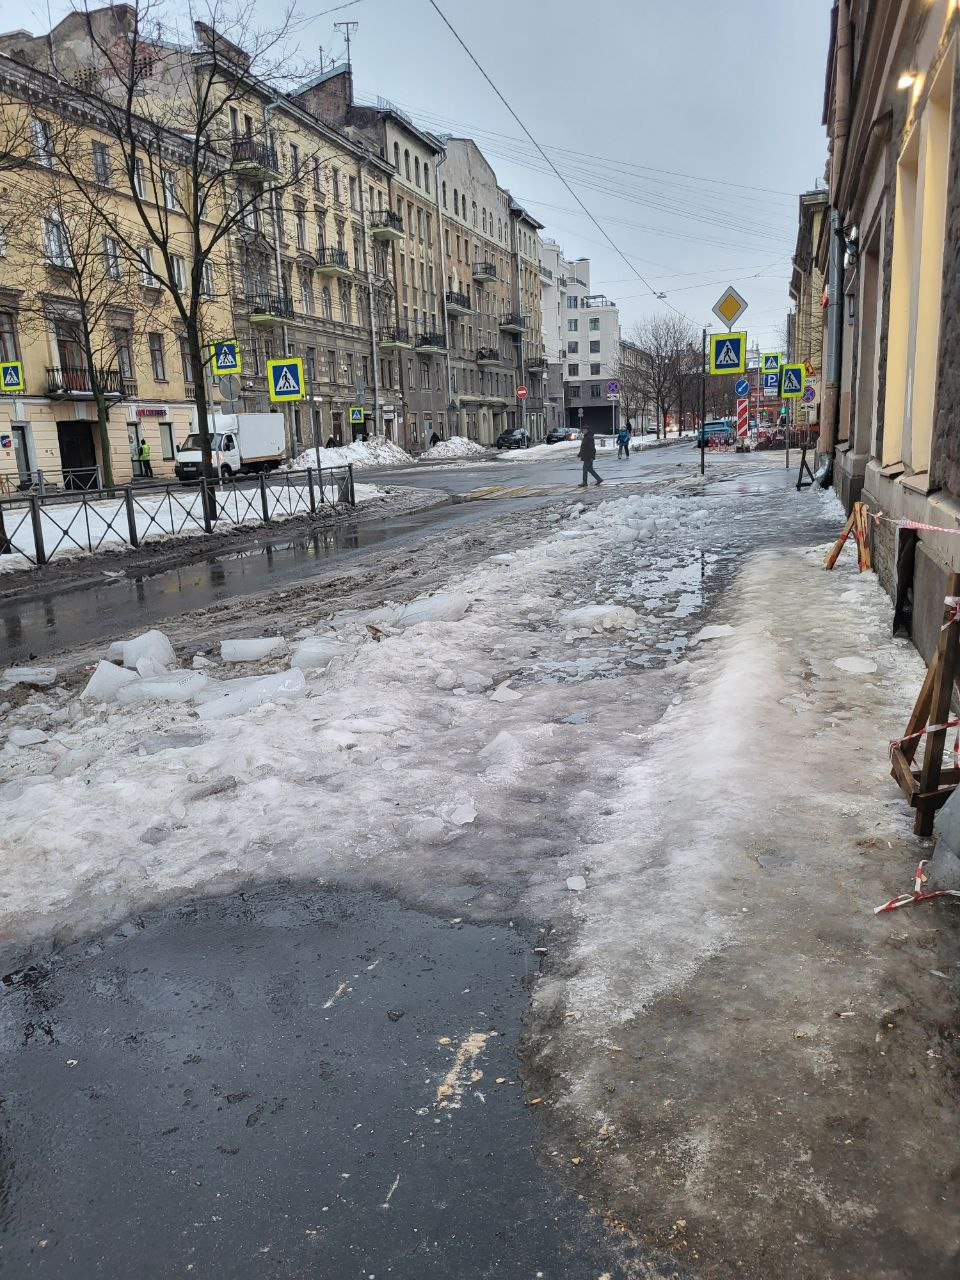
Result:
[{"x": 40, "y": 526}]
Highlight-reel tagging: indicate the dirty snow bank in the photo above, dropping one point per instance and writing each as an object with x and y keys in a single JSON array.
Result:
[
  {"x": 375, "y": 452},
  {"x": 455, "y": 448}
]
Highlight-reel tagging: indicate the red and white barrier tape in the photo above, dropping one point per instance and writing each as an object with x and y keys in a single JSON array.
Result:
[
  {"x": 918, "y": 895},
  {"x": 913, "y": 524},
  {"x": 931, "y": 728}
]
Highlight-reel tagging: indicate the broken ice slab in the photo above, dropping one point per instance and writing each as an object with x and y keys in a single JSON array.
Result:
[
  {"x": 39, "y": 676},
  {"x": 601, "y": 617},
  {"x": 252, "y": 650},
  {"x": 175, "y": 686},
  {"x": 224, "y": 700},
  {"x": 503, "y": 693},
  {"x": 26, "y": 737},
  {"x": 106, "y": 682},
  {"x": 445, "y": 606},
  {"x": 317, "y": 652},
  {"x": 712, "y": 633},
  {"x": 151, "y": 644},
  {"x": 576, "y": 884}
]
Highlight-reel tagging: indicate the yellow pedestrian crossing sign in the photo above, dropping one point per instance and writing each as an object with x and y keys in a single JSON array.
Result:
[
  {"x": 728, "y": 352},
  {"x": 356, "y": 414},
  {"x": 794, "y": 376},
  {"x": 285, "y": 379},
  {"x": 11, "y": 376},
  {"x": 225, "y": 357},
  {"x": 770, "y": 362}
]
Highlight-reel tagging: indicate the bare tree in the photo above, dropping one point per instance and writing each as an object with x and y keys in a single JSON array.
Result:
[
  {"x": 163, "y": 104},
  {"x": 663, "y": 339},
  {"x": 631, "y": 377},
  {"x": 79, "y": 285}
]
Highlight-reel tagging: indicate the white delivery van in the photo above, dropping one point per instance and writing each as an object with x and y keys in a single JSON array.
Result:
[{"x": 241, "y": 443}]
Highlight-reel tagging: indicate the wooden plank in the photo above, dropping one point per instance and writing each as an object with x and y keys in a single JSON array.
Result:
[
  {"x": 920, "y": 715},
  {"x": 901, "y": 771},
  {"x": 945, "y": 665},
  {"x": 837, "y": 547}
]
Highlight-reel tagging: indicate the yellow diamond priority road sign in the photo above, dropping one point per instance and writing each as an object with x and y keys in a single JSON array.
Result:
[{"x": 729, "y": 307}]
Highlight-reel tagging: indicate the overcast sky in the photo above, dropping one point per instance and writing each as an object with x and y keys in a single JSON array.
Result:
[{"x": 687, "y": 127}]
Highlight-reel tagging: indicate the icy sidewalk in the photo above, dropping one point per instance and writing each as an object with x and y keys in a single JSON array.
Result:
[{"x": 759, "y": 1068}]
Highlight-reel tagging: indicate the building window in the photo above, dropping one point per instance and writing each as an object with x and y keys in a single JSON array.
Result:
[
  {"x": 56, "y": 243},
  {"x": 316, "y": 175},
  {"x": 186, "y": 363},
  {"x": 326, "y": 304},
  {"x": 346, "y": 303},
  {"x": 443, "y": 194},
  {"x": 473, "y": 208},
  {"x": 574, "y": 393},
  {"x": 167, "y": 448},
  {"x": 206, "y": 280},
  {"x": 170, "y": 198},
  {"x": 573, "y": 348},
  {"x": 595, "y": 323},
  {"x": 157, "y": 361},
  {"x": 396, "y": 156},
  {"x": 572, "y": 302},
  {"x": 426, "y": 177},
  {"x": 456, "y": 201},
  {"x": 353, "y": 193},
  {"x": 295, "y": 161},
  {"x": 300, "y": 219},
  {"x": 594, "y": 370},
  {"x": 573, "y": 371},
  {"x": 424, "y": 375},
  {"x": 121, "y": 340},
  {"x": 596, "y": 391},
  {"x": 406, "y": 164},
  {"x": 111, "y": 258},
  {"x": 42, "y": 142},
  {"x": 595, "y": 348},
  {"x": 139, "y": 180},
  {"x": 335, "y": 179},
  {"x": 178, "y": 269},
  {"x": 101, "y": 163},
  {"x": 8, "y": 336},
  {"x": 573, "y": 326},
  {"x": 416, "y": 170}
]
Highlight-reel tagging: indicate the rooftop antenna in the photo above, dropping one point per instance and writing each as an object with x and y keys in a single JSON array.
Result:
[{"x": 349, "y": 29}]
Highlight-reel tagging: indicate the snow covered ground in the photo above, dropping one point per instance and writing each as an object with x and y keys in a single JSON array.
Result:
[
  {"x": 375, "y": 452},
  {"x": 72, "y": 529},
  {"x": 700, "y": 816}
]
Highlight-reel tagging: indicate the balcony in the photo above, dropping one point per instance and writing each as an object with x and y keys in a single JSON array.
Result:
[
  {"x": 458, "y": 304},
  {"x": 254, "y": 159},
  {"x": 484, "y": 272},
  {"x": 538, "y": 364},
  {"x": 65, "y": 381},
  {"x": 332, "y": 262},
  {"x": 488, "y": 355},
  {"x": 431, "y": 343},
  {"x": 386, "y": 225},
  {"x": 513, "y": 323},
  {"x": 394, "y": 339},
  {"x": 269, "y": 308}
]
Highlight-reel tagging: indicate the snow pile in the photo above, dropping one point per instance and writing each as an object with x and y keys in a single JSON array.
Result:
[
  {"x": 375, "y": 452},
  {"x": 455, "y": 447},
  {"x": 600, "y": 617}
]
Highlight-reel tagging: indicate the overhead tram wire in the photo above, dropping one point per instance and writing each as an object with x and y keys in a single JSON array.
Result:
[{"x": 609, "y": 239}]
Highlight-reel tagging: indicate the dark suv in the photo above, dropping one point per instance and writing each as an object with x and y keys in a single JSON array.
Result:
[{"x": 514, "y": 438}]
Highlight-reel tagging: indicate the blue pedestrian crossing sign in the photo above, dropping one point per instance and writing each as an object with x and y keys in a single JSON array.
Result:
[
  {"x": 356, "y": 414},
  {"x": 225, "y": 357},
  {"x": 285, "y": 379},
  {"x": 794, "y": 376},
  {"x": 11, "y": 376},
  {"x": 728, "y": 352},
  {"x": 770, "y": 362}
]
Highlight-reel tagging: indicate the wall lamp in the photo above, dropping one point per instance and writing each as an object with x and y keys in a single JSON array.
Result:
[{"x": 907, "y": 78}]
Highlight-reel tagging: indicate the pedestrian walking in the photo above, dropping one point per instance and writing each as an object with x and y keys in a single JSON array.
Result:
[
  {"x": 623, "y": 443},
  {"x": 143, "y": 457},
  {"x": 434, "y": 440},
  {"x": 587, "y": 455}
]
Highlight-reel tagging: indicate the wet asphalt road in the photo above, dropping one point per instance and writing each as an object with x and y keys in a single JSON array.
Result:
[
  {"x": 248, "y": 1087},
  {"x": 37, "y": 621}
]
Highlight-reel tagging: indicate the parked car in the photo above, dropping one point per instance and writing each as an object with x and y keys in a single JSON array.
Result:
[
  {"x": 514, "y": 438},
  {"x": 716, "y": 429},
  {"x": 556, "y": 434}
]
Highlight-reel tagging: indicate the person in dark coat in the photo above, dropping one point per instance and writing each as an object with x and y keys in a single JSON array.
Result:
[{"x": 587, "y": 455}]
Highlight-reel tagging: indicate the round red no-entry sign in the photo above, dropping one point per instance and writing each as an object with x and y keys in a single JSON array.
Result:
[{"x": 521, "y": 393}]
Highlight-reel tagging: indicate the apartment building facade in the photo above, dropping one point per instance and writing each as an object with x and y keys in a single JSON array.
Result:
[
  {"x": 890, "y": 256},
  {"x": 591, "y": 332}
]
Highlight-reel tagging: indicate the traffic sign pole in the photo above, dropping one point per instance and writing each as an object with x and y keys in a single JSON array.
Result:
[{"x": 703, "y": 405}]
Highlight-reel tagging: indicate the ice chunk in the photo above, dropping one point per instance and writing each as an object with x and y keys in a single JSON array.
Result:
[
  {"x": 445, "y": 606},
  {"x": 503, "y": 693},
  {"x": 576, "y": 884},
  {"x": 856, "y": 666},
  {"x": 148, "y": 667},
  {"x": 232, "y": 701},
  {"x": 462, "y": 815},
  {"x": 152, "y": 644},
  {"x": 712, "y": 633},
  {"x": 475, "y": 681},
  {"x": 26, "y": 737},
  {"x": 105, "y": 682},
  {"x": 251, "y": 650},
  {"x": 601, "y": 617},
  {"x": 447, "y": 678},
  {"x": 317, "y": 652},
  {"x": 41, "y": 676},
  {"x": 173, "y": 686}
]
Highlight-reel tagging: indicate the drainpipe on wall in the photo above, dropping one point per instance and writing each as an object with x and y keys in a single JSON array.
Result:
[
  {"x": 830, "y": 403},
  {"x": 443, "y": 289},
  {"x": 278, "y": 266},
  {"x": 371, "y": 308}
]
